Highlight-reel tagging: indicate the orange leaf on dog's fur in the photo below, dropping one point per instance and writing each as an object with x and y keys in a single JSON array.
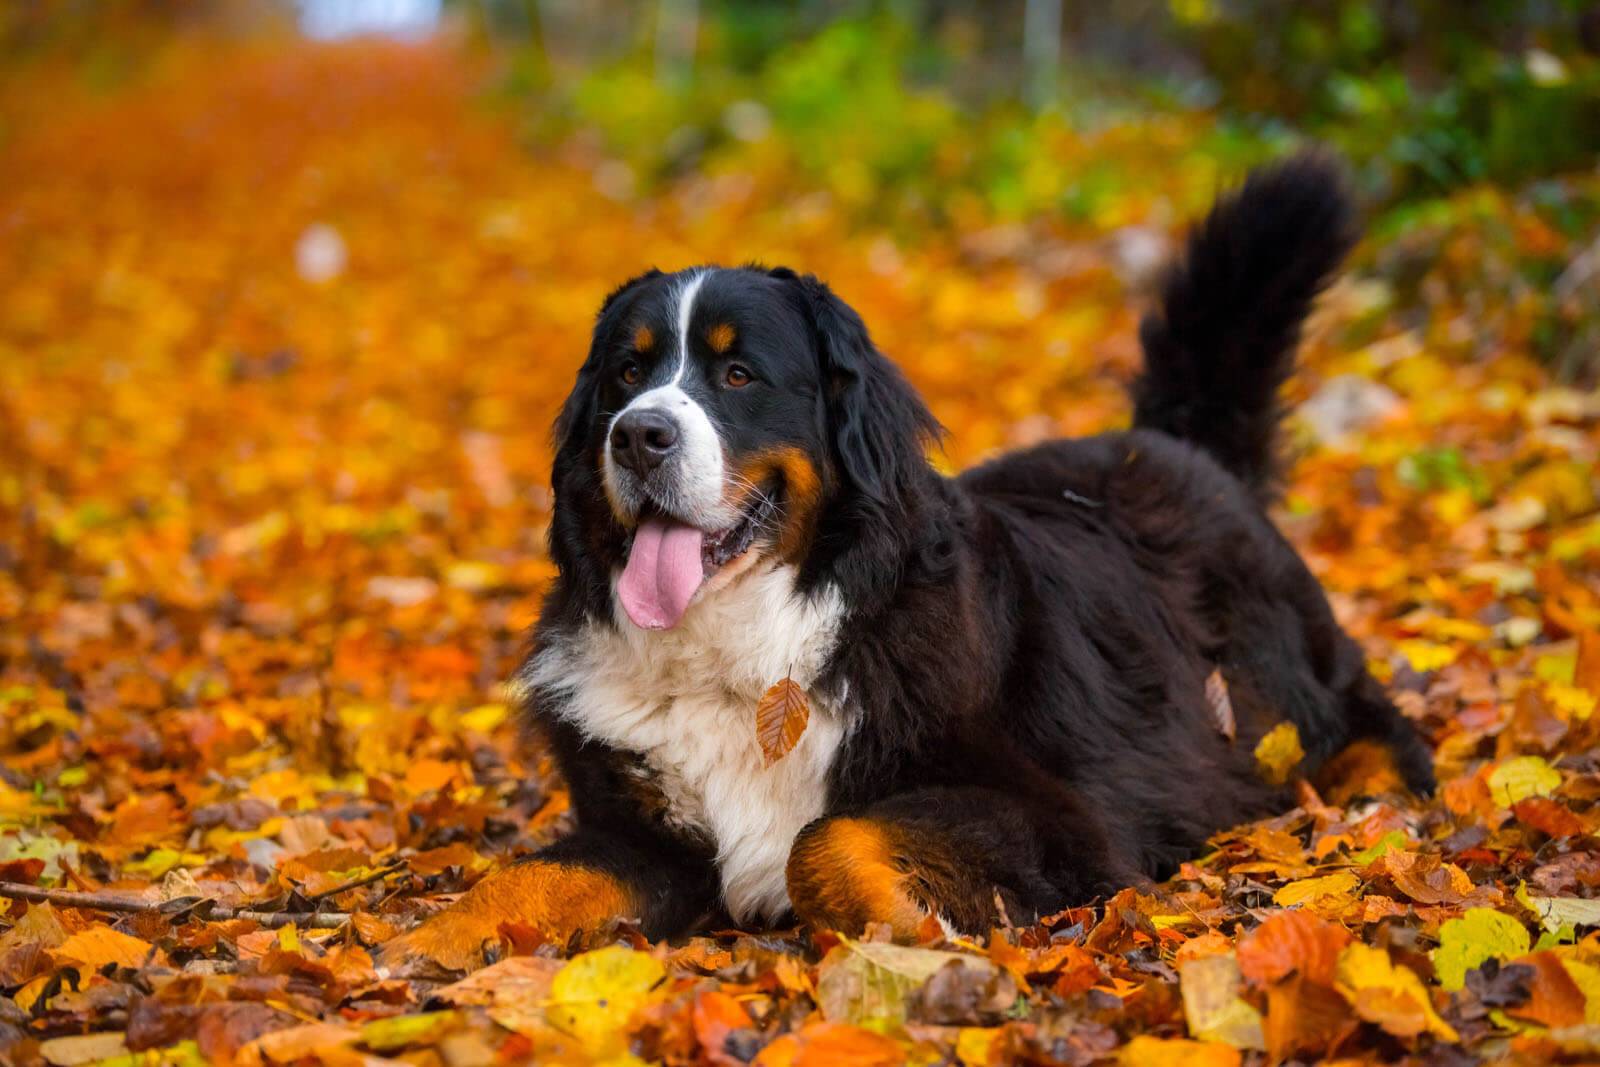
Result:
[{"x": 781, "y": 718}]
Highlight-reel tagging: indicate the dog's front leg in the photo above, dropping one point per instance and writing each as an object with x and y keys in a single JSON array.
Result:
[
  {"x": 958, "y": 855},
  {"x": 578, "y": 883}
]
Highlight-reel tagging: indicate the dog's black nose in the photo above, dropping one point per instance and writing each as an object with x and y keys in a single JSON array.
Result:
[{"x": 642, "y": 439}]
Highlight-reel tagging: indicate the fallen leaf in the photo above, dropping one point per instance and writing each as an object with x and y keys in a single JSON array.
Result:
[
  {"x": 867, "y": 983},
  {"x": 595, "y": 994},
  {"x": 1560, "y": 913},
  {"x": 1147, "y": 1051},
  {"x": 1388, "y": 994},
  {"x": 1480, "y": 934},
  {"x": 1292, "y": 942},
  {"x": 781, "y": 718},
  {"x": 399, "y": 1031},
  {"x": 1221, "y": 705},
  {"x": 959, "y": 995},
  {"x": 1279, "y": 753},
  {"x": 1212, "y": 1005},
  {"x": 1329, "y": 891},
  {"x": 717, "y": 1017},
  {"x": 1554, "y": 1000},
  {"x": 830, "y": 1044},
  {"x": 99, "y": 945},
  {"x": 82, "y": 1048},
  {"x": 1303, "y": 1016},
  {"x": 1520, "y": 778}
]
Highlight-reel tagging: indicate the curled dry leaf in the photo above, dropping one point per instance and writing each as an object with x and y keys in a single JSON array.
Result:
[
  {"x": 1221, "y": 704},
  {"x": 781, "y": 718}
]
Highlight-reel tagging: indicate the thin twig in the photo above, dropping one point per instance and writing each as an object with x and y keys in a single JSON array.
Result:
[
  {"x": 68, "y": 898},
  {"x": 356, "y": 883}
]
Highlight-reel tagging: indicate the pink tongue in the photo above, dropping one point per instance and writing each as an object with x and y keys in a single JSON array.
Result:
[{"x": 663, "y": 572}]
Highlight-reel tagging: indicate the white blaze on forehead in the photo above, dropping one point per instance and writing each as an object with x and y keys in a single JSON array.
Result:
[
  {"x": 690, "y": 482},
  {"x": 685, "y": 295}
]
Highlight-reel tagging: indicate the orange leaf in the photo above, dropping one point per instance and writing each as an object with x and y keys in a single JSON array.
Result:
[
  {"x": 781, "y": 718},
  {"x": 100, "y": 945},
  {"x": 1292, "y": 942},
  {"x": 1555, "y": 999},
  {"x": 831, "y": 1045},
  {"x": 1587, "y": 673},
  {"x": 1547, "y": 816},
  {"x": 716, "y": 1016},
  {"x": 1303, "y": 1016}
]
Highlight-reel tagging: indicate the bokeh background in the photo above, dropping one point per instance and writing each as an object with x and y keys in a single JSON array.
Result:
[{"x": 289, "y": 295}]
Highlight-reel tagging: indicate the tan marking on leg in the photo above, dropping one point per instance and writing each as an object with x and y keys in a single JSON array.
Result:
[
  {"x": 843, "y": 875},
  {"x": 554, "y": 898}
]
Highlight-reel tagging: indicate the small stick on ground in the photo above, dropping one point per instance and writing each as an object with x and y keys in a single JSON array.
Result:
[
  {"x": 356, "y": 883},
  {"x": 68, "y": 898}
]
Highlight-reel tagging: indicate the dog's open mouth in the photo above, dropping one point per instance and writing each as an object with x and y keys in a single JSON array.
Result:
[{"x": 669, "y": 560}]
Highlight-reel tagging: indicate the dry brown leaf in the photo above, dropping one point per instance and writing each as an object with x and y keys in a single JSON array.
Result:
[
  {"x": 781, "y": 718},
  {"x": 1221, "y": 704}
]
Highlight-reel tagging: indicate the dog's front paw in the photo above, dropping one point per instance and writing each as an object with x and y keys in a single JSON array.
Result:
[{"x": 556, "y": 899}]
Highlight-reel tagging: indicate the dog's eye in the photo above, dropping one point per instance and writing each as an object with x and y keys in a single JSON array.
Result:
[
  {"x": 630, "y": 373},
  {"x": 737, "y": 377}
]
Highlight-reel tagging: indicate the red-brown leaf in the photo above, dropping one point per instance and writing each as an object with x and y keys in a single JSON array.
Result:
[{"x": 781, "y": 718}]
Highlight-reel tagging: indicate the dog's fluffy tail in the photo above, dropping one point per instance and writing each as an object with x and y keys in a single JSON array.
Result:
[{"x": 1222, "y": 339}]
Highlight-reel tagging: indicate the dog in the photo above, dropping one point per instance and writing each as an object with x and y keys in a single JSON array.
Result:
[{"x": 1007, "y": 671}]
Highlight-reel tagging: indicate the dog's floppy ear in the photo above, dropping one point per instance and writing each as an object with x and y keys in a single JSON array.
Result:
[
  {"x": 578, "y": 411},
  {"x": 879, "y": 425}
]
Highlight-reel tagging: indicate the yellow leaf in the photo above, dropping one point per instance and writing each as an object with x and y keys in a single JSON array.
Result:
[
  {"x": 398, "y": 1031},
  {"x": 1146, "y": 1051},
  {"x": 1586, "y": 976},
  {"x": 974, "y": 1043},
  {"x": 781, "y": 718},
  {"x": 1279, "y": 752},
  {"x": 1391, "y": 996},
  {"x": 1425, "y": 656},
  {"x": 1479, "y": 935},
  {"x": 1212, "y": 1005},
  {"x": 595, "y": 994},
  {"x": 1341, "y": 885},
  {"x": 1521, "y": 778}
]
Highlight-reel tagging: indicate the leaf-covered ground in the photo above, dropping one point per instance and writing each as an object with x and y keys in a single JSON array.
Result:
[{"x": 281, "y": 335}]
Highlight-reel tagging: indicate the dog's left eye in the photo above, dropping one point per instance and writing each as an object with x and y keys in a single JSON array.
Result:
[
  {"x": 630, "y": 374},
  {"x": 737, "y": 377}
]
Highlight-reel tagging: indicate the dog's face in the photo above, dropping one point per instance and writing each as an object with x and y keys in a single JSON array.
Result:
[
  {"x": 721, "y": 414},
  {"x": 707, "y": 432}
]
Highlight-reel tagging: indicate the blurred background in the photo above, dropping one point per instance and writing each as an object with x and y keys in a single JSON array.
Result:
[{"x": 290, "y": 293}]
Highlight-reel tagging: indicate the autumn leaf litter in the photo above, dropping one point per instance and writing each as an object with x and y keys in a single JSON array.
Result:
[{"x": 275, "y": 383}]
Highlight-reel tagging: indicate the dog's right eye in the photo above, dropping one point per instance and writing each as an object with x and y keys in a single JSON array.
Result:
[{"x": 630, "y": 373}]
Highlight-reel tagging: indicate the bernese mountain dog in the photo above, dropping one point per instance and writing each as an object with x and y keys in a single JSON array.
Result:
[{"x": 1007, "y": 670}]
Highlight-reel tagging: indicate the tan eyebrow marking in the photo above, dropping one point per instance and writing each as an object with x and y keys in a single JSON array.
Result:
[
  {"x": 720, "y": 337},
  {"x": 644, "y": 339}
]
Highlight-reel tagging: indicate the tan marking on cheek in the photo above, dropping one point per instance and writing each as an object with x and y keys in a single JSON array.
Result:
[
  {"x": 644, "y": 339},
  {"x": 802, "y": 491},
  {"x": 721, "y": 337},
  {"x": 555, "y": 898}
]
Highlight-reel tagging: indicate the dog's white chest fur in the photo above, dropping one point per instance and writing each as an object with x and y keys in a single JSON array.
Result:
[{"x": 685, "y": 699}]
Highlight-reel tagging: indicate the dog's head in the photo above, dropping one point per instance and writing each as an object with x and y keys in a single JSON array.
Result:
[{"x": 720, "y": 418}]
